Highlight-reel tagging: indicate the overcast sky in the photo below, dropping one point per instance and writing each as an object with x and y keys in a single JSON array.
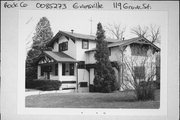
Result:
[{"x": 79, "y": 20}]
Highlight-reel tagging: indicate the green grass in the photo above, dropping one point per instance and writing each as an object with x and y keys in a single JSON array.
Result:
[{"x": 90, "y": 100}]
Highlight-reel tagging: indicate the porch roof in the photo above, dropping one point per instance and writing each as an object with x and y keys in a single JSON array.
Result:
[{"x": 59, "y": 56}]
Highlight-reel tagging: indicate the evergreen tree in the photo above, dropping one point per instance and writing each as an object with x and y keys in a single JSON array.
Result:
[
  {"x": 104, "y": 80},
  {"x": 43, "y": 34},
  {"x": 41, "y": 37}
]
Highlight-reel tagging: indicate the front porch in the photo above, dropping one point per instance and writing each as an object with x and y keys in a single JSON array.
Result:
[{"x": 58, "y": 66}]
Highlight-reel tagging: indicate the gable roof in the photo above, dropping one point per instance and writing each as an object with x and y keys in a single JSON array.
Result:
[
  {"x": 58, "y": 56},
  {"x": 75, "y": 36},
  {"x": 129, "y": 41}
]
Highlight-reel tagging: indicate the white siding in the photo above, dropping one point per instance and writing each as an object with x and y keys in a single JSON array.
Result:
[
  {"x": 71, "y": 46},
  {"x": 39, "y": 72},
  {"x": 74, "y": 49},
  {"x": 91, "y": 75},
  {"x": 90, "y": 57},
  {"x": 115, "y": 54},
  {"x": 83, "y": 76},
  {"x": 81, "y": 55},
  {"x": 55, "y": 47}
]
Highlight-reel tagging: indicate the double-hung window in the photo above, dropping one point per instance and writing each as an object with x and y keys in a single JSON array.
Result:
[
  {"x": 139, "y": 50},
  {"x": 63, "y": 46},
  {"x": 139, "y": 72},
  {"x": 85, "y": 44},
  {"x": 68, "y": 69}
]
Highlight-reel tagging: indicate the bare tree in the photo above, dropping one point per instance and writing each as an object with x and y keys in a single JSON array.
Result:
[
  {"x": 151, "y": 32},
  {"x": 140, "y": 31},
  {"x": 116, "y": 30},
  {"x": 155, "y": 34},
  {"x": 139, "y": 74},
  {"x": 133, "y": 71}
]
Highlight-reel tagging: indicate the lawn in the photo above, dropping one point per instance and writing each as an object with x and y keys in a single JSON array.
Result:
[{"x": 90, "y": 100}]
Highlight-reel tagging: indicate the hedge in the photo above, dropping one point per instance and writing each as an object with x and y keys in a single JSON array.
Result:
[{"x": 45, "y": 85}]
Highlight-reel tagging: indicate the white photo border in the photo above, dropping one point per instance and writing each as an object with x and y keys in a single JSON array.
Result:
[{"x": 13, "y": 72}]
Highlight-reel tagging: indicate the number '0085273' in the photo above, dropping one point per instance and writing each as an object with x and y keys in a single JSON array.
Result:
[{"x": 51, "y": 5}]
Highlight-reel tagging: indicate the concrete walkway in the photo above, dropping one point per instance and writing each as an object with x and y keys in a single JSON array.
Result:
[{"x": 28, "y": 93}]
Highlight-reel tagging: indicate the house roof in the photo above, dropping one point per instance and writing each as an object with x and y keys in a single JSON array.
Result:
[
  {"x": 77, "y": 36},
  {"x": 59, "y": 56},
  {"x": 127, "y": 42}
]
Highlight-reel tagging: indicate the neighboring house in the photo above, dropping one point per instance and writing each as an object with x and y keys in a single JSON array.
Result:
[{"x": 72, "y": 58}]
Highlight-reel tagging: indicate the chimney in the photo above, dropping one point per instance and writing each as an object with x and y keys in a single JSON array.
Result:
[{"x": 72, "y": 31}]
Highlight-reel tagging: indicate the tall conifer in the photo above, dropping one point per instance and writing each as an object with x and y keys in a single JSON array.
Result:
[
  {"x": 104, "y": 80},
  {"x": 41, "y": 37}
]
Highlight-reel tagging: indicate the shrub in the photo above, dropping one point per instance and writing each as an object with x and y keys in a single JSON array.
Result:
[
  {"x": 145, "y": 91},
  {"x": 156, "y": 84},
  {"x": 45, "y": 85},
  {"x": 91, "y": 88}
]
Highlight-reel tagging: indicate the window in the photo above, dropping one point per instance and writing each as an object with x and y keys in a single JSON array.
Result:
[
  {"x": 63, "y": 68},
  {"x": 63, "y": 46},
  {"x": 71, "y": 68},
  {"x": 42, "y": 71},
  {"x": 83, "y": 84},
  {"x": 67, "y": 69},
  {"x": 139, "y": 50},
  {"x": 85, "y": 44},
  {"x": 56, "y": 69},
  {"x": 81, "y": 65},
  {"x": 139, "y": 72},
  {"x": 45, "y": 69}
]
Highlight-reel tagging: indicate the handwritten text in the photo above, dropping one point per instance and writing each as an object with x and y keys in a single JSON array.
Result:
[
  {"x": 14, "y": 5},
  {"x": 128, "y": 6}
]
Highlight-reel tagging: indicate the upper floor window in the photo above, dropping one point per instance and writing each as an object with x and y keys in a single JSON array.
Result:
[
  {"x": 139, "y": 50},
  {"x": 139, "y": 72},
  {"x": 63, "y": 46},
  {"x": 85, "y": 44}
]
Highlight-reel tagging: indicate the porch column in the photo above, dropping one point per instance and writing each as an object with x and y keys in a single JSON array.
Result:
[
  {"x": 60, "y": 71},
  {"x": 38, "y": 71},
  {"x": 76, "y": 74}
]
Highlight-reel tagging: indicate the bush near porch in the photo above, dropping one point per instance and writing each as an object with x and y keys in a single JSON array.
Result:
[{"x": 45, "y": 85}]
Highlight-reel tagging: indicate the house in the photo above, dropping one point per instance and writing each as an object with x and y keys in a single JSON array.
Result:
[{"x": 72, "y": 58}]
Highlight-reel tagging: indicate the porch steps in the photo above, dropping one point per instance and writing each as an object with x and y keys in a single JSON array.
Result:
[{"x": 69, "y": 88}]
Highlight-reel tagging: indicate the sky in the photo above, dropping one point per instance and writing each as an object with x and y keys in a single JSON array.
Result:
[{"x": 79, "y": 21}]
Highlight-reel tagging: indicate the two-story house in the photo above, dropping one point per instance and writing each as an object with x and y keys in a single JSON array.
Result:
[{"x": 72, "y": 58}]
